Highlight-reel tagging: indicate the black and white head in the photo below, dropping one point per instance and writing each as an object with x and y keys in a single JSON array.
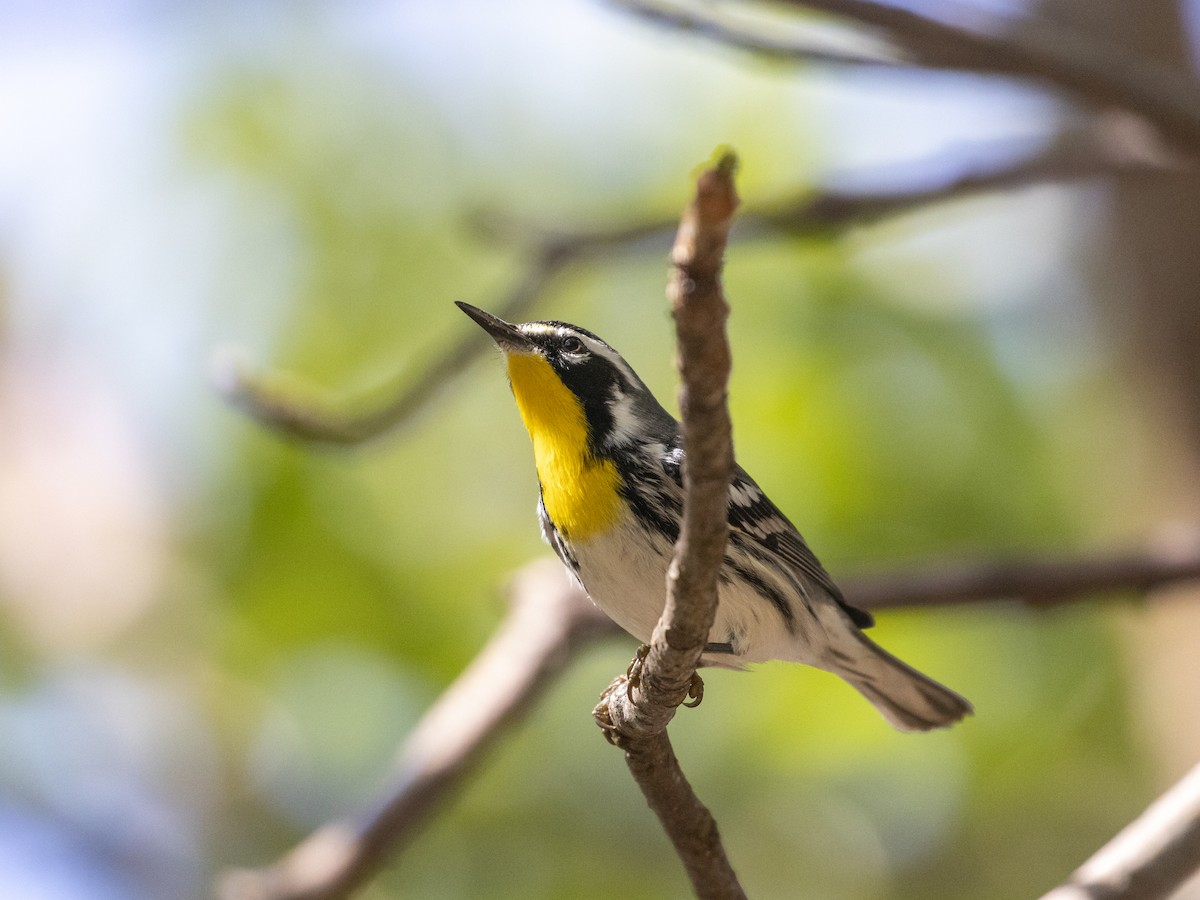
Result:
[{"x": 619, "y": 408}]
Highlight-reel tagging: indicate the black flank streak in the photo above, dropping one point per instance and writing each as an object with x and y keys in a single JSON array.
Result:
[
  {"x": 760, "y": 585},
  {"x": 648, "y": 513},
  {"x": 763, "y": 556}
]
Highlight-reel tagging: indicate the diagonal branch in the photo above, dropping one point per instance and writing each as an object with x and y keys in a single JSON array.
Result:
[
  {"x": 303, "y": 412},
  {"x": 1106, "y": 147},
  {"x": 549, "y": 622},
  {"x": 1110, "y": 146},
  {"x": 1093, "y": 71},
  {"x": 703, "y": 20},
  {"x": 636, "y": 720},
  {"x": 1090, "y": 70},
  {"x": 1150, "y": 858},
  {"x": 300, "y": 411}
]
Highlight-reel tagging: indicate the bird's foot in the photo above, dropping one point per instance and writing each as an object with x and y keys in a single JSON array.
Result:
[
  {"x": 603, "y": 714},
  {"x": 633, "y": 675},
  {"x": 695, "y": 694}
]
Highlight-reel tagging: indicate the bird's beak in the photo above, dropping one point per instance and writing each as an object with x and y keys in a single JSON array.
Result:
[{"x": 506, "y": 336}]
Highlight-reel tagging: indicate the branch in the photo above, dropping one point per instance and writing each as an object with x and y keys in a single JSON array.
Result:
[
  {"x": 1107, "y": 147},
  {"x": 549, "y": 623},
  {"x": 1150, "y": 857},
  {"x": 1169, "y": 557},
  {"x": 301, "y": 411},
  {"x": 1092, "y": 71},
  {"x": 634, "y": 712},
  {"x": 705, "y": 22},
  {"x": 1111, "y": 145}
]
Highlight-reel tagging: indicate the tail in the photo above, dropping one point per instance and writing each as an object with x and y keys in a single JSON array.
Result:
[{"x": 908, "y": 699}]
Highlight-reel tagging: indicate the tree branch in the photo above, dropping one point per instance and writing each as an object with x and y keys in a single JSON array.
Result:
[
  {"x": 1109, "y": 146},
  {"x": 1090, "y": 70},
  {"x": 1171, "y": 556},
  {"x": 549, "y": 622},
  {"x": 706, "y": 22},
  {"x": 301, "y": 411},
  {"x": 634, "y": 712},
  {"x": 1150, "y": 857}
]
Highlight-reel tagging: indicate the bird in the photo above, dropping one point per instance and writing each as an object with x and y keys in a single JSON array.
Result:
[{"x": 609, "y": 462}]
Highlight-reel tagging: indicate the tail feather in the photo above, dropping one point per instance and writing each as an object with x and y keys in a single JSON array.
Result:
[{"x": 910, "y": 700}]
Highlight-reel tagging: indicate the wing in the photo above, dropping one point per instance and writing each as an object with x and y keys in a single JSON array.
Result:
[{"x": 752, "y": 513}]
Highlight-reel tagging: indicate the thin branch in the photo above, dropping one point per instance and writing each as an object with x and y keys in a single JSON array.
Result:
[
  {"x": 1108, "y": 147},
  {"x": 304, "y": 412},
  {"x": 301, "y": 411},
  {"x": 1170, "y": 557},
  {"x": 635, "y": 718},
  {"x": 1112, "y": 145},
  {"x": 706, "y": 22},
  {"x": 1150, "y": 858},
  {"x": 1092, "y": 71},
  {"x": 548, "y": 624}
]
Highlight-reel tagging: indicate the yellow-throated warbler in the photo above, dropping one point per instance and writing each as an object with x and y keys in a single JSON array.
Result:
[{"x": 609, "y": 461}]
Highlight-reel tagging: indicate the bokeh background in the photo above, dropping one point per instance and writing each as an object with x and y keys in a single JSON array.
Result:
[{"x": 213, "y": 639}]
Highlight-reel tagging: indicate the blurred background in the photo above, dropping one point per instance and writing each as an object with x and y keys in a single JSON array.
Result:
[{"x": 212, "y": 639}]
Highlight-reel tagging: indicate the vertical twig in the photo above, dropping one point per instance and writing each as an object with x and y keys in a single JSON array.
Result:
[{"x": 636, "y": 721}]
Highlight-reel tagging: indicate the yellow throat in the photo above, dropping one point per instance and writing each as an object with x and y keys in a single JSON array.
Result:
[{"x": 580, "y": 492}]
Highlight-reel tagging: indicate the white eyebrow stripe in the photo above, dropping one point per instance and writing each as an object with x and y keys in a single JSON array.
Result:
[{"x": 595, "y": 345}]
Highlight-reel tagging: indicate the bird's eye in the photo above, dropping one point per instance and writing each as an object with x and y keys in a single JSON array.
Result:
[{"x": 572, "y": 345}]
